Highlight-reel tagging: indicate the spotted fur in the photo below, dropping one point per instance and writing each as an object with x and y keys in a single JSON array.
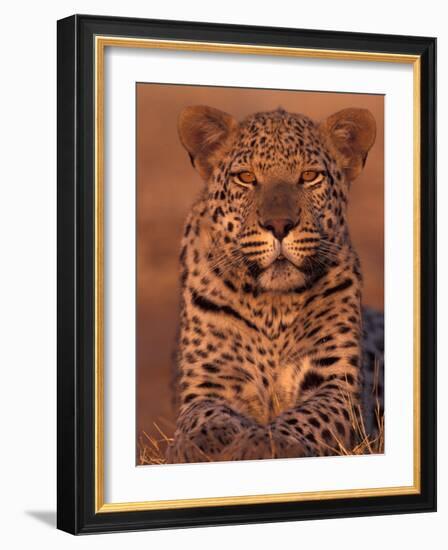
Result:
[{"x": 271, "y": 347}]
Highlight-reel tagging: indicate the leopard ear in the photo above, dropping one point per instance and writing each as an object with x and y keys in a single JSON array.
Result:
[
  {"x": 203, "y": 131},
  {"x": 350, "y": 134}
]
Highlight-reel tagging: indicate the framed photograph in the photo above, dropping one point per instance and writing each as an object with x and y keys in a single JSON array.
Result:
[{"x": 246, "y": 274}]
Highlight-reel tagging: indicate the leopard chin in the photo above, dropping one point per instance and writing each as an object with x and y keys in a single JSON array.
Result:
[{"x": 281, "y": 276}]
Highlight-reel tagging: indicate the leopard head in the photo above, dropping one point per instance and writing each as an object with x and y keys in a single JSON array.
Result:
[{"x": 276, "y": 188}]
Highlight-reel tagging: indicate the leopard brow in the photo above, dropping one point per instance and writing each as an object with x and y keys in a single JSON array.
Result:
[
  {"x": 319, "y": 168},
  {"x": 235, "y": 170}
]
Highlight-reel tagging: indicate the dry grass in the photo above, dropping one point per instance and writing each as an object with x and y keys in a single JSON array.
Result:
[
  {"x": 365, "y": 443},
  {"x": 151, "y": 449}
]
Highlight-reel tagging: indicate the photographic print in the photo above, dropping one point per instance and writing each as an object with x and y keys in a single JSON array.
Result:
[
  {"x": 246, "y": 274},
  {"x": 260, "y": 274}
]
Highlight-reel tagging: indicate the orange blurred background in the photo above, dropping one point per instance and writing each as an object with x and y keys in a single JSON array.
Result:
[{"x": 166, "y": 187}]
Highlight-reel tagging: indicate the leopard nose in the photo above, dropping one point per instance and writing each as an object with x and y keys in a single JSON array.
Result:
[{"x": 279, "y": 227}]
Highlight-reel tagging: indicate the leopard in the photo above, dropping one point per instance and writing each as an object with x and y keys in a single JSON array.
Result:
[{"x": 275, "y": 349}]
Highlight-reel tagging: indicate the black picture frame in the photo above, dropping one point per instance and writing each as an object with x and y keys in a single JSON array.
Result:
[{"x": 76, "y": 286}]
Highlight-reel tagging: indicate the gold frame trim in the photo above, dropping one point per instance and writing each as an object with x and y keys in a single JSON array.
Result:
[{"x": 101, "y": 42}]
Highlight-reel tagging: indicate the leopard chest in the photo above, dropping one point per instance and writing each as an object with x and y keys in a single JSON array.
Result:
[{"x": 275, "y": 385}]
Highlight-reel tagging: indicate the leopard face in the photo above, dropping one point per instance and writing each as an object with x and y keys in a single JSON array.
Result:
[{"x": 276, "y": 195}]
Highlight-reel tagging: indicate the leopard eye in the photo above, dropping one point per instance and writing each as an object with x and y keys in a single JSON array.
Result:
[
  {"x": 311, "y": 176},
  {"x": 246, "y": 178}
]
